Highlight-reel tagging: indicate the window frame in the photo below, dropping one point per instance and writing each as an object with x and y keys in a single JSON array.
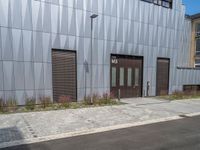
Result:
[
  {"x": 161, "y": 3},
  {"x": 197, "y": 41},
  {"x": 197, "y": 46},
  {"x": 197, "y": 30}
]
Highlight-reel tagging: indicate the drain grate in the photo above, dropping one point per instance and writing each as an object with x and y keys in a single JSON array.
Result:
[{"x": 30, "y": 129}]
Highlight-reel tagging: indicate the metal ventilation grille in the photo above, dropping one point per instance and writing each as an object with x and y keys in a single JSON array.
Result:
[{"x": 64, "y": 74}]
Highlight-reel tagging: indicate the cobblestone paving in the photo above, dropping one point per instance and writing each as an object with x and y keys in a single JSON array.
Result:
[{"x": 39, "y": 124}]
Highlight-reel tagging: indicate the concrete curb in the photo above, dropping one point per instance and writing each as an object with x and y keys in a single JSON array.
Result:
[{"x": 194, "y": 114}]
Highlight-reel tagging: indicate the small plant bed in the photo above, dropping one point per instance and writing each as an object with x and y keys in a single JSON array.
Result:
[
  {"x": 178, "y": 95},
  {"x": 64, "y": 102}
]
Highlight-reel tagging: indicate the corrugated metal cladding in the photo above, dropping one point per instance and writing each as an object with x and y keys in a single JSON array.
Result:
[{"x": 30, "y": 29}]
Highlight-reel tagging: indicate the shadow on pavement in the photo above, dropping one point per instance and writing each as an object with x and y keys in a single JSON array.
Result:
[{"x": 10, "y": 134}]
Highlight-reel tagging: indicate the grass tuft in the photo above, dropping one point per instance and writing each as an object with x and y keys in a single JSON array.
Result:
[{"x": 179, "y": 95}]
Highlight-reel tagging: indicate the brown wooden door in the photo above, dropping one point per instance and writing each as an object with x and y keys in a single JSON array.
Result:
[
  {"x": 64, "y": 74},
  {"x": 163, "y": 68},
  {"x": 126, "y": 76}
]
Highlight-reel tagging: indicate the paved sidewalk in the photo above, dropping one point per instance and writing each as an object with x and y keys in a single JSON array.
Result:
[{"x": 16, "y": 129}]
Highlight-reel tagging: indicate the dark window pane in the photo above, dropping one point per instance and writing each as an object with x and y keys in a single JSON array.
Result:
[
  {"x": 198, "y": 30},
  {"x": 197, "y": 61},
  {"x": 197, "y": 66},
  {"x": 166, "y": 4},
  {"x": 198, "y": 27},
  {"x": 198, "y": 46}
]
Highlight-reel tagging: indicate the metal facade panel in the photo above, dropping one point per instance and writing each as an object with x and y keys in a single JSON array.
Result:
[
  {"x": 6, "y": 40},
  {"x": 19, "y": 75},
  {"x": 18, "y": 52},
  {"x": 27, "y": 15},
  {"x": 8, "y": 75},
  {"x": 1, "y": 77},
  {"x": 29, "y": 76}
]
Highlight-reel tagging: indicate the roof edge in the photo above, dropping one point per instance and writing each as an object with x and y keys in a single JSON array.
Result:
[{"x": 195, "y": 16}]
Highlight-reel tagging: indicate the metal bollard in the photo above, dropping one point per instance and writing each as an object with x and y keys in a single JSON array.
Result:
[
  {"x": 148, "y": 87},
  {"x": 119, "y": 95}
]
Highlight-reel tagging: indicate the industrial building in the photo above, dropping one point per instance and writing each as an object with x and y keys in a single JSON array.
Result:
[{"x": 138, "y": 47}]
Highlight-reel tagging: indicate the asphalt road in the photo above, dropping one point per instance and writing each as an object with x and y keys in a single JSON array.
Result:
[{"x": 181, "y": 134}]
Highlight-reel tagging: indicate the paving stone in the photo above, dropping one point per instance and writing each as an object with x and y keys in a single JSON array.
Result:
[{"x": 15, "y": 127}]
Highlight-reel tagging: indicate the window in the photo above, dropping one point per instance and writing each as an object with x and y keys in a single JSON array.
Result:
[
  {"x": 137, "y": 71},
  {"x": 198, "y": 39},
  {"x": 198, "y": 31},
  {"x": 129, "y": 78},
  {"x": 157, "y": 2},
  {"x": 197, "y": 63},
  {"x": 121, "y": 77},
  {"x": 191, "y": 88},
  {"x": 198, "y": 27},
  {"x": 198, "y": 47},
  {"x": 114, "y": 76},
  {"x": 164, "y": 3}
]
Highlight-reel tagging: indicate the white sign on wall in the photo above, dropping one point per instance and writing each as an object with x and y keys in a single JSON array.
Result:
[{"x": 114, "y": 61}]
